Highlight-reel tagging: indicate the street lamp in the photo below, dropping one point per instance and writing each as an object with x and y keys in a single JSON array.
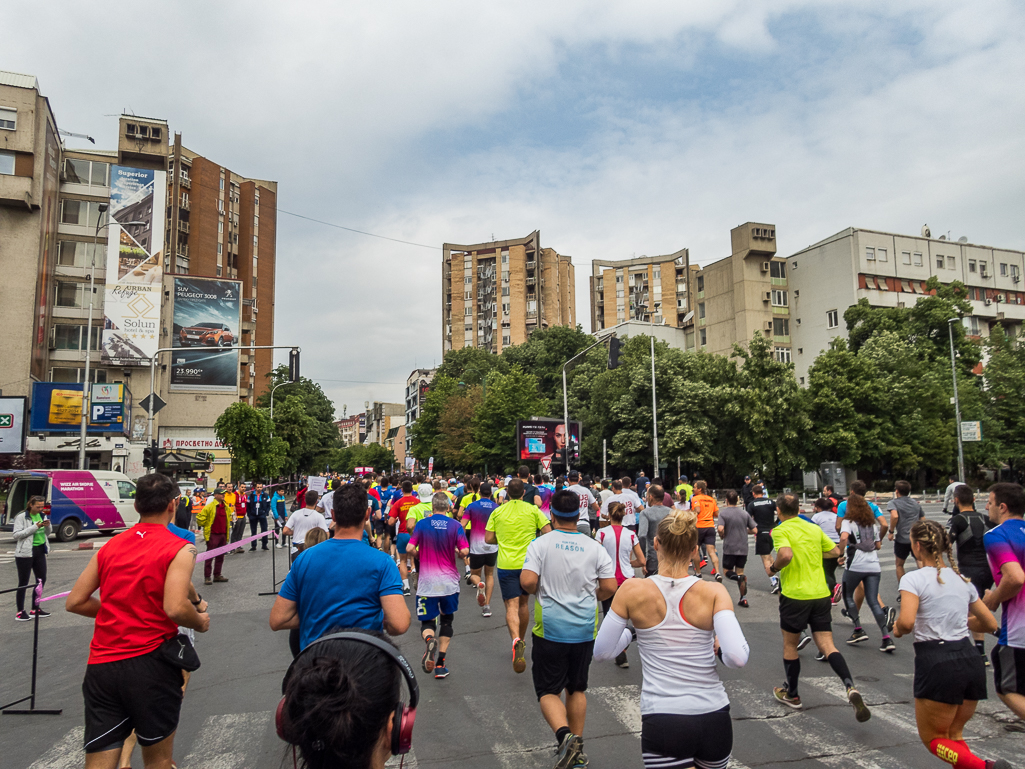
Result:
[
  {"x": 957, "y": 403},
  {"x": 652, "y": 308},
  {"x": 86, "y": 384},
  {"x": 275, "y": 387}
]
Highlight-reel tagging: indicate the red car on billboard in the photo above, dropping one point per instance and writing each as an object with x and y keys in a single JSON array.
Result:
[{"x": 208, "y": 334}]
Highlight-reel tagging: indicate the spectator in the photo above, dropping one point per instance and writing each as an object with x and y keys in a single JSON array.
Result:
[
  {"x": 301, "y": 521},
  {"x": 31, "y": 528},
  {"x": 215, "y": 518},
  {"x": 641, "y": 484},
  {"x": 257, "y": 507},
  {"x": 948, "y": 495},
  {"x": 747, "y": 491}
]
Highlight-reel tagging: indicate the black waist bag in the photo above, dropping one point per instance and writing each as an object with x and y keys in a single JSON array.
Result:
[{"x": 179, "y": 652}]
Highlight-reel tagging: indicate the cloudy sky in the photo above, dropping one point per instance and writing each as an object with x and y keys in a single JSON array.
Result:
[{"x": 616, "y": 128}]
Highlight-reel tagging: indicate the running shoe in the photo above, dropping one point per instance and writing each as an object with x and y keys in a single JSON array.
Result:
[
  {"x": 41, "y": 613},
  {"x": 804, "y": 641},
  {"x": 481, "y": 597},
  {"x": 820, "y": 657},
  {"x": 861, "y": 711},
  {"x": 22, "y": 616},
  {"x": 703, "y": 564},
  {"x": 775, "y": 585},
  {"x": 568, "y": 752},
  {"x": 486, "y": 611},
  {"x": 430, "y": 655},
  {"x": 837, "y": 593},
  {"x": 622, "y": 661},
  {"x": 888, "y": 645},
  {"x": 743, "y": 602},
  {"x": 581, "y": 761},
  {"x": 519, "y": 650},
  {"x": 718, "y": 577},
  {"x": 891, "y": 617},
  {"x": 780, "y": 692},
  {"x": 469, "y": 579},
  {"x": 405, "y": 591},
  {"x": 857, "y": 637},
  {"x": 441, "y": 672}
]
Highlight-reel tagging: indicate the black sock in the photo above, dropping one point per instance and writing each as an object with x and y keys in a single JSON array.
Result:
[
  {"x": 441, "y": 659},
  {"x": 561, "y": 732},
  {"x": 981, "y": 646},
  {"x": 793, "y": 671},
  {"x": 839, "y": 665}
]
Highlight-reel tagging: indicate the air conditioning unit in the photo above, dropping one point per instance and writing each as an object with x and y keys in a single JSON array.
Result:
[
  {"x": 1016, "y": 278},
  {"x": 768, "y": 325},
  {"x": 797, "y": 293},
  {"x": 989, "y": 302},
  {"x": 765, "y": 266},
  {"x": 1000, "y": 298},
  {"x": 768, "y": 296}
]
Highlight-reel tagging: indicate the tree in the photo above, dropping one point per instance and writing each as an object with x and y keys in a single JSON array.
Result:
[
  {"x": 543, "y": 354},
  {"x": 294, "y": 425},
  {"x": 510, "y": 397},
  {"x": 425, "y": 431},
  {"x": 347, "y": 459},
  {"x": 246, "y": 432},
  {"x": 455, "y": 427},
  {"x": 307, "y": 424},
  {"x": 1004, "y": 375}
]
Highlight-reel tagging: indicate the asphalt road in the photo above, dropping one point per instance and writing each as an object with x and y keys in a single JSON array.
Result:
[{"x": 483, "y": 714}]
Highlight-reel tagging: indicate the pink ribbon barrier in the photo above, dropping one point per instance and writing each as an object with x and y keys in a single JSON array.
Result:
[{"x": 206, "y": 556}]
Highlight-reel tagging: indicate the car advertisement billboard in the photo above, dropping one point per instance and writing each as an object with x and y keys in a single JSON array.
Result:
[
  {"x": 57, "y": 408},
  {"x": 135, "y": 254},
  {"x": 207, "y": 317},
  {"x": 543, "y": 437},
  {"x": 12, "y": 425}
]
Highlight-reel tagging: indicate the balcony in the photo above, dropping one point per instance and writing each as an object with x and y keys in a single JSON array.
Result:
[
  {"x": 531, "y": 264},
  {"x": 185, "y": 182},
  {"x": 16, "y": 191},
  {"x": 183, "y": 250},
  {"x": 184, "y": 205},
  {"x": 531, "y": 281},
  {"x": 183, "y": 226}
]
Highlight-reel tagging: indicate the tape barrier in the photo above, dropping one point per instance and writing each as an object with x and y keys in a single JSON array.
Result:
[{"x": 205, "y": 556}]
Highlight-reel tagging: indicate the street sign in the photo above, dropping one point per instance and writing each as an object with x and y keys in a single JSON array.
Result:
[
  {"x": 971, "y": 431},
  {"x": 158, "y": 403},
  {"x": 12, "y": 425},
  {"x": 546, "y": 464}
]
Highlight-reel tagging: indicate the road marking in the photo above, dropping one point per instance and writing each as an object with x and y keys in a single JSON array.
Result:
[
  {"x": 507, "y": 748},
  {"x": 828, "y": 745},
  {"x": 225, "y": 740},
  {"x": 69, "y": 753},
  {"x": 408, "y": 760},
  {"x": 623, "y": 701}
]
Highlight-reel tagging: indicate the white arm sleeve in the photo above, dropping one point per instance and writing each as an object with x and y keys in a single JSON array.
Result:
[
  {"x": 613, "y": 637},
  {"x": 732, "y": 643}
]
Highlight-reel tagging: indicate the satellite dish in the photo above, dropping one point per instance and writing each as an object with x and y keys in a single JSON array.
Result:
[
  {"x": 926, "y": 232},
  {"x": 688, "y": 316},
  {"x": 963, "y": 239}
]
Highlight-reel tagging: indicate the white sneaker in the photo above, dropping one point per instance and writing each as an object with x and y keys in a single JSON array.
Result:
[{"x": 485, "y": 611}]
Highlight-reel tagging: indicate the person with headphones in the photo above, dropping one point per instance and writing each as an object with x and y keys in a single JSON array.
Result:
[{"x": 341, "y": 703}]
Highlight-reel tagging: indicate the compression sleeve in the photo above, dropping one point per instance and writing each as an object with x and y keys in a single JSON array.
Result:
[
  {"x": 732, "y": 643},
  {"x": 613, "y": 637}
]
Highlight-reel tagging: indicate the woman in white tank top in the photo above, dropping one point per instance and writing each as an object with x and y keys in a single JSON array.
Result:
[{"x": 677, "y": 618}]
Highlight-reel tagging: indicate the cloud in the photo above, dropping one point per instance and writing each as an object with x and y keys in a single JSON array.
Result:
[{"x": 616, "y": 129}]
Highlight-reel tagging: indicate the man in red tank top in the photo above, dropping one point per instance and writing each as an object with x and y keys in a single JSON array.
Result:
[{"x": 145, "y": 578}]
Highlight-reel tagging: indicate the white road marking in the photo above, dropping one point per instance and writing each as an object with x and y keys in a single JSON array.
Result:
[
  {"x": 623, "y": 701},
  {"x": 225, "y": 741},
  {"x": 828, "y": 745},
  {"x": 507, "y": 748},
  {"x": 69, "y": 753},
  {"x": 409, "y": 760}
]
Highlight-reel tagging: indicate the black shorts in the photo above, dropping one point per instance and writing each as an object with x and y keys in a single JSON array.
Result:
[
  {"x": 796, "y": 615},
  {"x": 901, "y": 550},
  {"x": 981, "y": 577},
  {"x": 706, "y": 536},
  {"x": 380, "y": 527},
  {"x": 670, "y": 740},
  {"x": 480, "y": 560},
  {"x": 141, "y": 693},
  {"x": 730, "y": 562},
  {"x": 949, "y": 672},
  {"x": 763, "y": 543},
  {"x": 556, "y": 666},
  {"x": 1008, "y": 669}
]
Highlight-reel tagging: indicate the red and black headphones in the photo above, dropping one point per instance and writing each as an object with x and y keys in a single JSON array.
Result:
[{"x": 405, "y": 715}]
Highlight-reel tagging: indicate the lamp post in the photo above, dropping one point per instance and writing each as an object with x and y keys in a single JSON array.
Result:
[
  {"x": 654, "y": 402},
  {"x": 275, "y": 387},
  {"x": 957, "y": 403}
]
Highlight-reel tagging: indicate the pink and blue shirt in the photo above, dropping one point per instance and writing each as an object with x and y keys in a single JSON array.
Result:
[
  {"x": 1006, "y": 544},
  {"x": 438, "y": 537}
]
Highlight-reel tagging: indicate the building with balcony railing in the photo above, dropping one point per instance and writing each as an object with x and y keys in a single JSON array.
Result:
[{"x": 628, "y": 289}]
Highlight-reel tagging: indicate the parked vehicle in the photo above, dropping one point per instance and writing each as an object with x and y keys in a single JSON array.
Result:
[
  {"x": 209, "y": 334},
  {"x": 101, "y": 500}
]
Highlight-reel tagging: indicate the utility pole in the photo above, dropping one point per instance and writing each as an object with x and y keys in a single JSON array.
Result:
[{"x": 957, "y": 403}]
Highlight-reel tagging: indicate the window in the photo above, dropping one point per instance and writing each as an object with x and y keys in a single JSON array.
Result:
[
  {"x": 701, "y": 282},
  {"x": 971, "y": 324},
  {"x": 951, "y": 263},
  {"x": 1014, "y": 271},
  {"x": 70, "y": 294},
  {"x": 468, "y": 280},
  {"x": 779, "y": 298},
  {"x": 68, "y": 374},
  {"x": 72, "y": 253},
  {"x": 701, "y": 310},
  {"x": 918, "y": 259},
  {"x": 880, "y": 254},
  {"x": 1003, "y": 270},
  {"x": 219, "y": 271},
  {"x": 505, "y": 257},
  {"x": 222, "y": 184},
  {"x": 939, "y": 262},
  {"x": 126, "y": 489},
  {"x": 658, "y": 274},
  {"x": 7, "y": 163},
  {"x": 971, "y": 265},
  {"x": 782, "y": 354},
  {"x": 832, "y": 319},
  {"x": 467, "y": 311},
  {"x": 781, "y": 327},
  {"x": 80, "y": 212},
  {"x": 71, "y": 337},
  {"x": 467, "y": 295},
  {"x": 619, "y": 279},
  {"x": 905, "y": 256},
  {"x": 619, "y": 293},
  {"x": 87, "y": 172},
  {"x": 703, "y": 336},
  {"x": 255, "y": 242},
  {"x": 220, "y": 227},
  {"x": 220, "y": 249},
  {"x": 870, "y": 253},
  {"x": 505, "y": 291},
  {"x": 983, "y": 269},
  {"x": 506, "y": 339},
  {"x": 254, "y": 283},
  {"x": 8, "y": 118},
  {"x": 778, "y": 270}
]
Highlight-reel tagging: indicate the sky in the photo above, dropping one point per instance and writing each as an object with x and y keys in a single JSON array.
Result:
[{"x": 616, "y": 129}]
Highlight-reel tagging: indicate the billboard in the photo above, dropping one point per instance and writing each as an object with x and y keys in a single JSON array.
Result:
[
  {"x": 543, "y": 437},
  {"x": 47, "y": 251},
  {"x": 207, "y": 317},
  {"x": 12, "y": 425},
  {"x": 57, "y": 408},
  {"x": 135, "y": 253}
]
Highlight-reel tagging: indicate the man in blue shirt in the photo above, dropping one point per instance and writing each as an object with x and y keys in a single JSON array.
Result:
[
  {"x": 257, "y": 509},
  {"x": 341, "y": 583}
]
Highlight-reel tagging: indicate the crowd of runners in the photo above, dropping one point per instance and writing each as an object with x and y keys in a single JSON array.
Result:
[{"x": 606, "y": 565}]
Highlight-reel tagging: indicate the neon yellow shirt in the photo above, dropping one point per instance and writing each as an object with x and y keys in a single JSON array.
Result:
[
  {"x": 804, "y": 578},
  {"x": 687, "y": 489},
  {"x": 416, "y": 514},
  {"x": 515, "y": 524}
]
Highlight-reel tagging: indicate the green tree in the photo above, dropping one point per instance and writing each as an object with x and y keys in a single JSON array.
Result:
[
  {"x": 246, "y": 432},
  {"x": 309, "y": 441},
  {"x": 348, "y": 458},
  {"x": 456, "y": 428},
  {"x": 543, "y": 355},
  {"x": 1004, "y": 421},
  {"x": 510, "y": 397},
  {"x": 425, "y": 431}
]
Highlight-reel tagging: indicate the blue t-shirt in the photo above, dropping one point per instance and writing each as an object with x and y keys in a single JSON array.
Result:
[
  {"x": 843, "y": 509},
  {"x": 339, "y": 583},
  {"x": 188, "y": 536}
]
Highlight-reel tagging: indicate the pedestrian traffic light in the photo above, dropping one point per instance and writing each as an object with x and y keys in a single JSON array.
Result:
[
  {"x": 293, "y": 365},
  {"x": 614, "y": 345},
  {"x": 150, "y": 454},
  {"x": 574, "y": 449}
]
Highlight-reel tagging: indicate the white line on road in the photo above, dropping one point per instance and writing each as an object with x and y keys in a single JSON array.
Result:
[
  {"x": 225, "y": 741},
  {"x": 66, "y": 754},
  {"x": 828, "y": 745},
  {"x": 623, "y": 701}
]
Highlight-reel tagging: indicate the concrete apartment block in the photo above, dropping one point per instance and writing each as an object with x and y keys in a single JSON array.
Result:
[{"x": 622, "y": 290}]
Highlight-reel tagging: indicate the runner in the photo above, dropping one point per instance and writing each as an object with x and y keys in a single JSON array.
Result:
[
  {"x": 860, "y": 537},
  {"x": 301, "y": 521},
  {"x": 859, "y": 489},
  {"x": 588, "y": 520},
  {"x": 707, "y": 511},
  {"x": 686, "y": 490},
  {"x": 763, "y": 510},
  {"x": 805, "y": 601},
  {"x": 825, "y": 518},
  {"x": 397, "y": 518},
  {"x": 633, "y": 503},
  {"x": 625, "y": 551},
  {"x": 483, "y": 557},
  {"x": 647, "y": 525},
  {"x": 470, "y": 493},
  {"x": 512, "y": 527},
  {"x": 967, "y": 529},
  {"x": 948, "y": 495},
  {"x": 949, "y": 676},
  {"x": 735, "y": 524},
  {"x": 530, "y": 493},
  {"x": 905, "y": 512},
  {"x": 568, "y": 573},
  {"x": 438, "y": 539},
  {"x": 677, "y": 620}
]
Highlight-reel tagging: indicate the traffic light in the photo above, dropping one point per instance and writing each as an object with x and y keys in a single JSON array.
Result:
[
  {"x": 574, "y": 449},
  {"x": 150, "y": 455},
  {"x": 614, "y": 345},
  {"x": 293, "y": 365}
]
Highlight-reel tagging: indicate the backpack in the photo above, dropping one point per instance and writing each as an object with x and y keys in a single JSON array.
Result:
[
  {"x": 866, "y": 542},
  {"x": 973, "y": 532}
]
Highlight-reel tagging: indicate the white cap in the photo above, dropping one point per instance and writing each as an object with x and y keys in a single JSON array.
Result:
[{"x": 424, "y": 491}]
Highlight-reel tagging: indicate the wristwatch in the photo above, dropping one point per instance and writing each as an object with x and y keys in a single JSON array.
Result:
[{"x": 197, "y": 603}]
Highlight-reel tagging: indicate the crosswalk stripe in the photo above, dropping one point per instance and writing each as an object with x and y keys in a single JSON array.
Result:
[
  {"x": 225, "y": 740},
  {"x": 69, "y": 753},
  {"x": 623, "y": 701},
  {"x": 828, "y": 745},
  {"x": 507, "y": 748}
]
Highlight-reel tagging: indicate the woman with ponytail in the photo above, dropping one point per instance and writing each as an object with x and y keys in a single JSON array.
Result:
[
  {"x": 677, "y": 619},
  {"x": 861, "y": 536},
  {"x": 950, "y": 679}
]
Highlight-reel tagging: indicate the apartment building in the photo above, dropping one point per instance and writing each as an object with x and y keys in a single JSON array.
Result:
[
  {"x": 417, "y": 384},
  {"x": 352, "y": 430},
  {"x": 890, "y": 270},
  {"x": 381, "y": 418},
  {"x": 741, "y": 295},
  {"x": 495, "y": 294},
  {"x": 623, "y": 290}
]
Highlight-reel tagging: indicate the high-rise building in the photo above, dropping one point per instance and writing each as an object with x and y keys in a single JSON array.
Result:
[
  {"x": 381, "y": 418},
  {"x": 624, "y": 290},
  {"x": 890, "y": 270},
  {"x": 417, "y": 384},
  {"x": 495, "y": 294}
]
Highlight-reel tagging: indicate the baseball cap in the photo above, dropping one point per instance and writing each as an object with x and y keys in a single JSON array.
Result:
[
  {"x": 574, "y": 475},
  {"x": 424, "y": 491}
]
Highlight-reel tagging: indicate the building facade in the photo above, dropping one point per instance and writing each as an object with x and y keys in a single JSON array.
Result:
[
  {"x": 625, "y": 290},
  {"x": 381, "y": 418},
  {"x": 495, "y": 294},
  {"x": 349, "y": 429},
  {"x": 890, "y": 270},
  {"x": 417, "y": 384}
]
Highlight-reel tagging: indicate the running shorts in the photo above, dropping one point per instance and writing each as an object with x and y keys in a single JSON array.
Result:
[
  {"x": 509, "y": 582},
  {"x": 556, "y": 666},
  {"x": 430, "y": 606},
  {"x": 981, "y": 577},
  {"x": 400, "y": 543},
  {"x": 672, "y": 741},
  {"x": 763, "y": 543},
  {"x": 731, "y": 562},
  {"x": 902, "y": 550},
  {"x": 706, "y": 536},
  {"x": 1008, "y": 669},
  {"x": 141, "y": 693},
  {"x": 380, "y": 527},
  {"x": 796, "y": 615},
  {"x": 480, "y": 560},
  {"x": 949, "y": 672}
]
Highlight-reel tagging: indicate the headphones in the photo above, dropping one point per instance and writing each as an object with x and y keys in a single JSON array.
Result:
[{"x": 405, "y": 715}]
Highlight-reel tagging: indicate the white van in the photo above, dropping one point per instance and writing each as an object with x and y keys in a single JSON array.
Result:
[{"x": 101, "y": 500}]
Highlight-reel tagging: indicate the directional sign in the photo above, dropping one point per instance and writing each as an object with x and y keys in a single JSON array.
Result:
[
  {"x": 546, "y": 464},
  {"x": 971, "y": 431},
  {"x": 158, "y": 403}
]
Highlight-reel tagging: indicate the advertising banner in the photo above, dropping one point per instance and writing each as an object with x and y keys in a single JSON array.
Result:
[
  {"x": 12, "y": 425},
  {"x": 543, "y": 437},
  {"x": 207, "y": 317},
  {"x": 57, "y": 408},
  {"x": 135, "y": 253},
  {"x": 110, "y": 404},
  {"x": 189, "y": 439}
]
